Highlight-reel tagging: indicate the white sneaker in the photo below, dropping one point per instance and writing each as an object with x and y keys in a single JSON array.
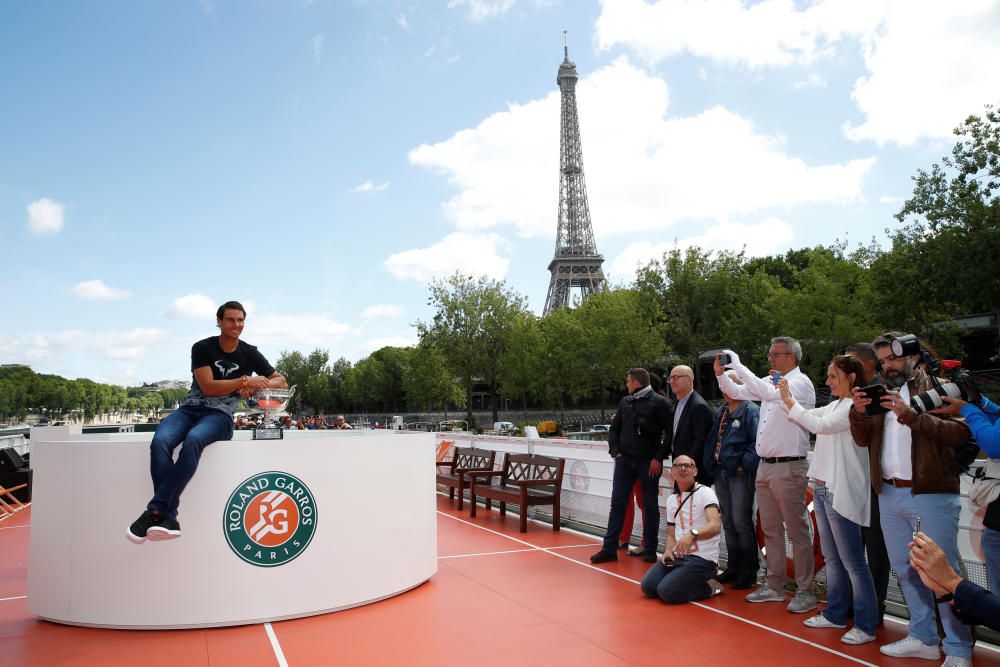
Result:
[
  {"x": 857, "y": 636},
  {"x": 956, "y": 661},
  {"x": 765, "y": 594},
  {"x": 911, "y": 647},
  {"x": 821, "y": 621}
]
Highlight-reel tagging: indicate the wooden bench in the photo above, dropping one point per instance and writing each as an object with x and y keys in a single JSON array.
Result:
[
  {"x": 8, "y": 503},
  {"x": 525, "y": 480},
  {"x": 456, "y": 473}
]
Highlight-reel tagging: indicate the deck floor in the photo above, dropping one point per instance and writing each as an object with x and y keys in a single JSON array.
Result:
[{"x": 499, "y": 598}]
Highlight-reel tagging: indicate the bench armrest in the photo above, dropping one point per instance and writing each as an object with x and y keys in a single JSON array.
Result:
[
  {"x": 469, "y": 471},
  {"x": 484, "y": 473},
  {"x": 535, "y": 482},
  {"x": 446, "y": 464}
]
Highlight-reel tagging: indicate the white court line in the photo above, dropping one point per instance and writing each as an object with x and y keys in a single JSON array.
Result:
[
  {"x": 278, "y": 653},
  {"x": 512, "y": 551},
  {"x": 697, "y": 604},
  {"x": 16, "y": 597},
  {"x": 9, "y": 527}
]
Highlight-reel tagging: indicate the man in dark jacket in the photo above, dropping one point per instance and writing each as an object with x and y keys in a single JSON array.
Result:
[
  {"x": 692, "y": 419},
  {"x": 731, "y": 461},
  {"x": 913, "y": 469},
  {"x": 638, "y": 441}
]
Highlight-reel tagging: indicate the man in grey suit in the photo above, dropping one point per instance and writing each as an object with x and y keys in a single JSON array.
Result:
[{"x": 692, "y": 419}]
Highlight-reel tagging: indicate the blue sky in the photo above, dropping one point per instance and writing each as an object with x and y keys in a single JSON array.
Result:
[{"x": 321, "y": 161}]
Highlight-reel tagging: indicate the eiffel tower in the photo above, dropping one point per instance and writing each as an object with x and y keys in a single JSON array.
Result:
[{"x": 576, "y": 263}]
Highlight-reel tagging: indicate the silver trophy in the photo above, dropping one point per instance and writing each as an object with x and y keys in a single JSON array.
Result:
[{"x": 271, "y": 400}]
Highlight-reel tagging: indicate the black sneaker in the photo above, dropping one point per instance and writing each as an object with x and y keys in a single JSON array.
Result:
[
  {"x": 139, "y": 530},
  {"x": 649, "y": 557},
  {"x": 166, "y": 529},
  {"x": 727, "y": 576},
  {"x": 603, "y": 556}
]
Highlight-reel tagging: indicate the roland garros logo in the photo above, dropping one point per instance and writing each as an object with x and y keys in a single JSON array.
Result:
[{"x": 270, "y": 519}]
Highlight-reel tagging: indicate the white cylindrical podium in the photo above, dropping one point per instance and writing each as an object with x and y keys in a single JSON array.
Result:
[{"x": 317, "y": 522}]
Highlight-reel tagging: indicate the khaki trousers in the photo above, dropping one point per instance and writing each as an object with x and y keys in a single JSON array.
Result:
[{"x": 781, "y": 499}]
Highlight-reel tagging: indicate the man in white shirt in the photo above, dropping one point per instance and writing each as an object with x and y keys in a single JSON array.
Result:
[
  {"x": 781, "y": 478},
  {"x": 691, "y": 558}
]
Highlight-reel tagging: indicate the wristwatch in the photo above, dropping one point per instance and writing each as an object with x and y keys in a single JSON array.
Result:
[{"x": 694, "y": 533}]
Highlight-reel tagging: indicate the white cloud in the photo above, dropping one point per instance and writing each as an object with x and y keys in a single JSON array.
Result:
[
  {"x": 471, "y": 254},
  {"x": 429, "y": 52},
  {"x": 403, "y": 23},
  {"x": 480, "y": 10},
  {"x": 318, "y": 41},
  {"x": 96, "y": 290},
  {"x": 812, "y": 81},
  {"x": 931, "y": 65},
  {"x": 192, "y": 307},
  {"x": 290, "y": 331},
  {"x": 765, "y": 238},
  {"x": 645, "y": 170},
  {"x": 370, "y": 346},
  {"x": 928, "y": 64},
  {"x": 382, "y": 310},
  {"x": 772, "y": 32},
  {"x": 45, "y": 216},
  {"x": 370, "y": 186},
  {"x": 887, "y": 199},
  {"x": 132, "y": 344}
]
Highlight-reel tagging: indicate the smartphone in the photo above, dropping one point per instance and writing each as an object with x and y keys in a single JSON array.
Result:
[
  {"x": 875, "y": 392},
  {"x": 775, "y": 378},
  {"x": 725, "y": 359},
  {"x": 916, "y": 528}
]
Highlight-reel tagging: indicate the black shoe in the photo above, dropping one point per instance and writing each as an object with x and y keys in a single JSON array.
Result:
[
  {"x": 603, "y": 556},
  {"x": 649, "y": 557},
  {"x": 166, "y": 529},
  {"x": 623, "y": 545},
  {"x": 139, "y": 530},
  {"x": 743, "y": 582},
  {"x": 636, "y": 552},
  {"x": 727, "y": 576}
]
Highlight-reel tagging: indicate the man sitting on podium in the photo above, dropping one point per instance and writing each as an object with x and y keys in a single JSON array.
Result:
[{"x": 222, "y": 369}]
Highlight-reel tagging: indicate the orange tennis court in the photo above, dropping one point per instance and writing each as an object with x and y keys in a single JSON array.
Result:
[{"x": 499, "y": 598}]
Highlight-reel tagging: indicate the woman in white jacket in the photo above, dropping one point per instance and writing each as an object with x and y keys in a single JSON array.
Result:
[{"x": 840, "y": 474}]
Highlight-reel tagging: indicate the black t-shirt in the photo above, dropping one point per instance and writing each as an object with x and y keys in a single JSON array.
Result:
[{"x": 244, "y": 360}]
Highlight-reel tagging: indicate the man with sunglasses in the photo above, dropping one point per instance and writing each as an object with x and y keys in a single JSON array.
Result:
[{"x": 781, "y": 480}]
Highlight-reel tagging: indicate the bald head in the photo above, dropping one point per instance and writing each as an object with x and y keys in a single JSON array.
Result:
[{"x": 681, "y": 381}]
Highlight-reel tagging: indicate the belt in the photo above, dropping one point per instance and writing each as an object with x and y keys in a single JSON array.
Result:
[
  {"x": 899, "y": 483},
  {"x": 780, "y": 459}
]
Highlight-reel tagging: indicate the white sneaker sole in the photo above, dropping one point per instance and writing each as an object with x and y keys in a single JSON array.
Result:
[
  {"x": 157, "y": 534},
  {"x": 133, "y": 538}
]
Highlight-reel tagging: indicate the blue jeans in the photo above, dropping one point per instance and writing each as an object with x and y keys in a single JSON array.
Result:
[
  {"x": 991, "y": 552},
  {"x": 847, "y": 575},
  {"x": 627, "y": 472},
  {"x": 735, "y": 492},
  {"x": 195, "y": 426},
  {"x": 685, "y": 580},
  {"x": 938, "y": 514}
]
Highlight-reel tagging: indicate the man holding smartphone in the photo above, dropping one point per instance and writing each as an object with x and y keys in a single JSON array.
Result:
[
  {"x": 914, "y": 473},
  {"x": 781, "y": 475}
]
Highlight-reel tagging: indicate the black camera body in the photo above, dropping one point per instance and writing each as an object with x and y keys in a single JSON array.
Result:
[{"x": 875, "y": 392}]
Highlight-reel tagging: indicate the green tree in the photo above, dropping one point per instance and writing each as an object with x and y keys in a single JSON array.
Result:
[
  {"x": 941, "y": 263},
  {"x": 621, "y": 333},
  {"x": 565, "y": 375},
  {"x": 521, "y": 369},
  {"x": 428, "y": 382},
  {"x": 471, "y": 327}
]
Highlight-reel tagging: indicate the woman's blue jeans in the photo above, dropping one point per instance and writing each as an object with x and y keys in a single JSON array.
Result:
[
  {"x": 196, "y": 427},
  {"x": 848, "y": 579}
]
